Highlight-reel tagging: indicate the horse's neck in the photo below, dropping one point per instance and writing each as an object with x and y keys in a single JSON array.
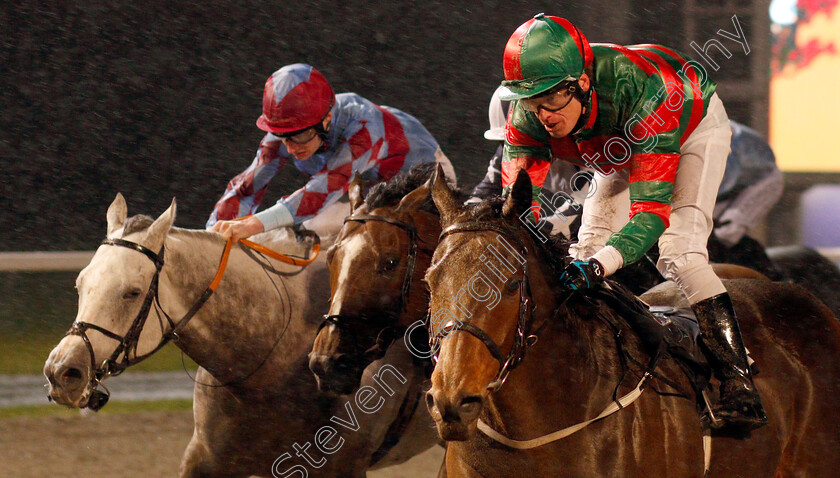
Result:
[
  {"x": 569, "y": 375},
  {"x": 250, "y": 309}
]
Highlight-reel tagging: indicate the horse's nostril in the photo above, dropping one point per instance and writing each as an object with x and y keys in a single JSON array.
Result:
[
  {"x": 71, "y": 374},
  {"x": 430, "y": 401},
  {"x": 316, "y": 365}
]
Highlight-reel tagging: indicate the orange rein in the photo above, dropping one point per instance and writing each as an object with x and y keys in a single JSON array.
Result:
[{"x": 295, "y": 261}]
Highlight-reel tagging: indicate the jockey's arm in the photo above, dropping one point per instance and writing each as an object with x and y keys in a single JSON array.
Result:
[
  {"x": 653, "y": 127},
  {"x": 245, "y": 191},
  {"x": 754, "y": 180},
  {"x": 651, "y": 188},
  {"x": 749, "y": 207},
  {"x": 323, "y": 189}
]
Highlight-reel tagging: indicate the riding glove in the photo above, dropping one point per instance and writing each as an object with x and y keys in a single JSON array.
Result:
[{"x": 582, "y": 275}]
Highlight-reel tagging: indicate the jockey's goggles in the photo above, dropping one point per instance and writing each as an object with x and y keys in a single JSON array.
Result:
[
  {"x": 299, "y": 137},
  {"x": 554, "y": 101}
]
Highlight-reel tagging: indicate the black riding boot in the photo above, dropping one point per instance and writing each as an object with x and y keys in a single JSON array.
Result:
[{"x": 740, "y": 406}]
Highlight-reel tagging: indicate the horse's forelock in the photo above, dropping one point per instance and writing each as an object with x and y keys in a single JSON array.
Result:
[{"x": 137, "y": 223}]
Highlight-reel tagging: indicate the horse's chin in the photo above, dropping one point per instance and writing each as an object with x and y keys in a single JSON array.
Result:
[
  {"x": 97, "y": 400},
  {"x": 72, "y": 400},
  {"x": 451, "y": 431},
  {"x": 338, "y": 386}
]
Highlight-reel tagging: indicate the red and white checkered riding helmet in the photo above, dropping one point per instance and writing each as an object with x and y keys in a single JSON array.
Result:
[{"x": 295, "y": 98}]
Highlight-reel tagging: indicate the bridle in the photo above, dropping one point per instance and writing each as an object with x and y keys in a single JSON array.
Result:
[
  {"x": 522, "y": 339},
  {"x": 121, "y": 357},
  {"x": 389, "y": 333}
]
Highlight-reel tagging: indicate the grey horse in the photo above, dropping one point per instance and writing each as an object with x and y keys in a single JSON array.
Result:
[{"x": 256, "y": 406}]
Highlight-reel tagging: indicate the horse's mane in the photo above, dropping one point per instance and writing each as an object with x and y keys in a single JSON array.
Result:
[
  {"x": 390, "y": 192},
  {"x": 553, "y": 252}
]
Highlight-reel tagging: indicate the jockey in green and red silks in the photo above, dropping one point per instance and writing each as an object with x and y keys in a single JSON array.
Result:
[{"x": 648, "y": 122}]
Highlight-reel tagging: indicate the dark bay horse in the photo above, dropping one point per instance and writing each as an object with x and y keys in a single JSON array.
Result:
[
  {"x": 376, "y": 269},
  {"x": 493, "y": 287},
  {"x": 256, "y": 406}
]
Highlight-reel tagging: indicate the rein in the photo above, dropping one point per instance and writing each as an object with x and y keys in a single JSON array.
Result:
[
  {"x": 523, "y": 340},
  {"x": 121, "y": 358}
]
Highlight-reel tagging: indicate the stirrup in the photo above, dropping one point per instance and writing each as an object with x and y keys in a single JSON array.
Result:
[
  {"x": 708, "y": 417},
  {"x": 742, "y": 411},
  {"x": 749, "y": 416}
]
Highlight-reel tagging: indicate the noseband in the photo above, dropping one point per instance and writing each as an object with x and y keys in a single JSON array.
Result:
[
  {"x": 389, "y": 333},
  {"x": 522, "y": 338}
]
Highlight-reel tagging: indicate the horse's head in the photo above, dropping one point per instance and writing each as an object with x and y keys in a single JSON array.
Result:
[
  {"x": 376, "y": 266},
  {"x": 115, "y": 290},
  {"x": 480, "y": 308}
]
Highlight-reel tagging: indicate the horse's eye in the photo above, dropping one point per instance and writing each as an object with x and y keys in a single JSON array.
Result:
[
  {"x": 132, "y": 294},
  {"x": 390, "y": 264},
  {"x": 512, "y": 286}
]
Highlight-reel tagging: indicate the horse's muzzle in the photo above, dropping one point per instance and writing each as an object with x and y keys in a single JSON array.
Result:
[
  {"x": 454, "y": 416},
  {"x": 67, "y": 372},
  {"x": 339, "y": 374}
]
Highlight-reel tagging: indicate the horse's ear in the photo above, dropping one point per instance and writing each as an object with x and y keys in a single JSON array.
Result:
[
  {"x": 520, "y": 197},
  {"x": 355, "y": 192},
  {"x": 160, "y": 228},
  {"x": 445, "y": 201},
  {"x": 413, "y": 200},
  {"x": 117, "y": 212}
]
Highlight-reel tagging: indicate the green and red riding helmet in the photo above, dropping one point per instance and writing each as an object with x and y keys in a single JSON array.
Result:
[{"x": 542, "y": 53}]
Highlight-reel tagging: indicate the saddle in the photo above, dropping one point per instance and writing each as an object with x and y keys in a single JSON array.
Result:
[{"x": 662, "y": 328}]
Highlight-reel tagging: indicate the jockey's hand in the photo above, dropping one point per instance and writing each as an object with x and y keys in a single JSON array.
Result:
[
  {"x": 582, "y": 275},
  {"x": 239, "y": 229}
]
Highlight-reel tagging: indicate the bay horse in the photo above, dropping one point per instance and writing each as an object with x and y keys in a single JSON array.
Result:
[
  {"x": 256, "y": 406},
  {"x": 376, "y": 266},
  {"x": 495, "y": 294}
]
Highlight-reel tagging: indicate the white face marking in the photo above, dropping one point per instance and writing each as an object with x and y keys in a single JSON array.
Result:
[{"x": 353, "y": 248}]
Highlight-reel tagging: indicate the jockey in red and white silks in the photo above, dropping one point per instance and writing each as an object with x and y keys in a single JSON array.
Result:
[{"x": 327, "y": 136}]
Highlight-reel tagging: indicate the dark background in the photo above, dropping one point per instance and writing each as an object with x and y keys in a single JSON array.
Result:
[{"x": 158, "y": 99}]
